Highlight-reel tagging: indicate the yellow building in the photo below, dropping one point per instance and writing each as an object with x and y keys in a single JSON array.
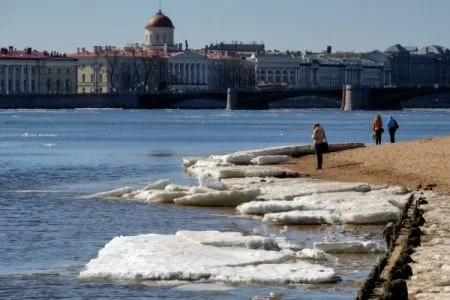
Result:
[{"x": 109, "y": 70}]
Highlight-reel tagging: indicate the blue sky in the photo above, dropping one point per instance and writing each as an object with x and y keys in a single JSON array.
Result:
[{"x": 346, "y": 25}]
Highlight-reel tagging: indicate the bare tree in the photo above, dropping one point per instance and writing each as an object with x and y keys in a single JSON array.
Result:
[{"x": 112, "y": 59}]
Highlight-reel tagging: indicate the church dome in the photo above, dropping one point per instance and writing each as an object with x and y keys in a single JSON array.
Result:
[{"x": 159, "y": 20}]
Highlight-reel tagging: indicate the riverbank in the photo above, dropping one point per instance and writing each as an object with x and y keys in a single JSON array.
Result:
[
  {"x": 422, "y": 162},
  {"x": 412, "y": 163}
]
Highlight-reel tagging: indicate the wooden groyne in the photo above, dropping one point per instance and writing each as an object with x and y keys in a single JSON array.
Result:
[{"x": 388, "y": 278}]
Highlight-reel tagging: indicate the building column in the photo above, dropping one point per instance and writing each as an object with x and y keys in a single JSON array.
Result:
[
  {"x": 29, "y": 79},
  {"x": 13, "y": 86},
  {"x": 207, "y": 74},
  {"x": 196, "y": 73},
  {"x": 185, "y": 75},
  {"x": 190, "y": 73},
  {"x": 7, "y": 78},
  {"x": 22, "y": 79}
]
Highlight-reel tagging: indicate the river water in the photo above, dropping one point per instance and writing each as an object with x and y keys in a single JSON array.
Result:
[{"x": 50, "y": 158}]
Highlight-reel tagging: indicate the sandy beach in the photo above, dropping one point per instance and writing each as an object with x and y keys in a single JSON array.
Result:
[{"x": 411, "y": 163}]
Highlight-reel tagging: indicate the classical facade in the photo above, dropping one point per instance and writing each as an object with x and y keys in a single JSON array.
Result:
[
  {"x": 32, "y": 71},
  {"x": 189, "y": 70},
  {"x": 298, "y": 71},
  {"x": 412, "y": 66}
]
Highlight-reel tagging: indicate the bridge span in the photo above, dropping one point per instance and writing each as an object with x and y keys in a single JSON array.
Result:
[{"x": 350, "y": 97}]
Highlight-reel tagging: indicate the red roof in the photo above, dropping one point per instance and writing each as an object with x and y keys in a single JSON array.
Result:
[
  {"x": 119, "y": 53},
  {"x": 159, "y": 20},
  {"x": 32, "y": 54}
]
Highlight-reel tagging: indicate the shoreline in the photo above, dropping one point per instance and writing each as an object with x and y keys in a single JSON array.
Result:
[
  {"x": 417, "y": 163},
  {"x": 411, "y": 269}
]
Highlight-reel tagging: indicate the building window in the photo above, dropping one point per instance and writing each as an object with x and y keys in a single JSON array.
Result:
[
  {"x": 49, "y": 86},
  {"x": 101, "y": 90},
  {"x": 58, "y": 85},
  {"x": 83, "y": 90},
  {"x": 83, "y": 78},
  {"x": 68, "y": 71},
  {"x": 100, "y": 78},
  {"x": 92, "y": 77},
  {"x": 58, "y": 71},
  {"x": 49, "y": 71},
  {"x": 33, "y": 86},
  {"x": 67, "y": 85}
]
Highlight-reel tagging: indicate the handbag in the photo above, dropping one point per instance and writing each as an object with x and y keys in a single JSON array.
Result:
[{"x": 325, "y": 148}]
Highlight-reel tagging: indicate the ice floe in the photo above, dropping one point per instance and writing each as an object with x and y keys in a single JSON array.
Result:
[
  {"x": 352, "y": 207},
  {"x": 350, "y": 247},
  {"x": 189, "y": 256}
]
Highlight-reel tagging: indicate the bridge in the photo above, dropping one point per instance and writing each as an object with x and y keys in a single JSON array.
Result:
[{"x": 350, "y": 97}]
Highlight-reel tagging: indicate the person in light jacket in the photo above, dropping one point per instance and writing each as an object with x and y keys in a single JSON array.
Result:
[
  {"x": 318, "y": 138},
  {"x": 377, "y": 127}
]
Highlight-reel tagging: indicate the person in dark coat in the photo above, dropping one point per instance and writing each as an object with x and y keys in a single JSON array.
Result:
[{"x": 392, "y": 128}]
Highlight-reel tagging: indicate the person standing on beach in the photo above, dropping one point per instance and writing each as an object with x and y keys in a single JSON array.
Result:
[
  {"x": 318, "y": 138},
  {"x": 377, "y": 128},
  {"x": 392, "y": 128}
]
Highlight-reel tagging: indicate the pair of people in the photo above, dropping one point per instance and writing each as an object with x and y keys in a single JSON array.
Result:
[
  {"x": 377, "y": 128},
  {"x": 321, "y": 143}
]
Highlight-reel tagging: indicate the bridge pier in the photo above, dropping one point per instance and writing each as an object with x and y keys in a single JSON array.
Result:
[
  {"x": 231, "y": 99},
  {"x": 355, "y": 97}
]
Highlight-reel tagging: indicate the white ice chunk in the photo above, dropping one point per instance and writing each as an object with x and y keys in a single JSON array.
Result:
[
  {"x": 289, "y": 188},
  {"x": 110, "y": 194},
  {"x": 204, "y": 287},
  {"x": 157, "y": 185},
  {"x": 230, "y": 198},
  {"x": 177, "y": 188},
  {"x": 143, "y": 195},
  {"x": 230, "y": 239},
  {"x": 207, "y": 180},
  {"x": 314, "y": 253},
  {"x": 238, "y": 159},
  {"x": 169, "y": 257},
  {"x": 199, "y": 190},
  {"x": 164, "y": 197},
  {"x": 191, "y": 160},
  {"x": 350, "y": 247},
  {"x": 253, "y": 171},
  {"x": 296, "y": 217},
  {"x": 369, "y": 216},
  {"x": 271, "y": 159}
]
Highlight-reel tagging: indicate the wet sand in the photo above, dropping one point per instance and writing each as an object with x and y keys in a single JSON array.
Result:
[{"x": 422, "y": 162}]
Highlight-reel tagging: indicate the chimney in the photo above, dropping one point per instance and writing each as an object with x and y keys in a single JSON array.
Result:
[{"x": 78, "y": 50}]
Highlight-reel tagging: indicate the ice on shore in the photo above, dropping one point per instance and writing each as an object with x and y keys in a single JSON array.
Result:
[
  {"x": 352, "y": 207},
  {"x": 189, "y": 256},
  {"x": 278, "y": 195}
]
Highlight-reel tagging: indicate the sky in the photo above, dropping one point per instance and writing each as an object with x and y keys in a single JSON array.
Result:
[{"x": 346, "y": 25}]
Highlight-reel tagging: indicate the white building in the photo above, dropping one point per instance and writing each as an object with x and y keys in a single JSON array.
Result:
[
  {"x": 32, "y": 71},
  {"x": 318, "y": 71}
]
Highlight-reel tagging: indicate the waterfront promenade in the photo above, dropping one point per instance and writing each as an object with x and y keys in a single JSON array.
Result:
[{"x": 422, "y": 162}]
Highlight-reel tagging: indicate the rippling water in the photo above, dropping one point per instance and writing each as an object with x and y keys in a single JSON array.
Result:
[{"x": 50, "y": 158}]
